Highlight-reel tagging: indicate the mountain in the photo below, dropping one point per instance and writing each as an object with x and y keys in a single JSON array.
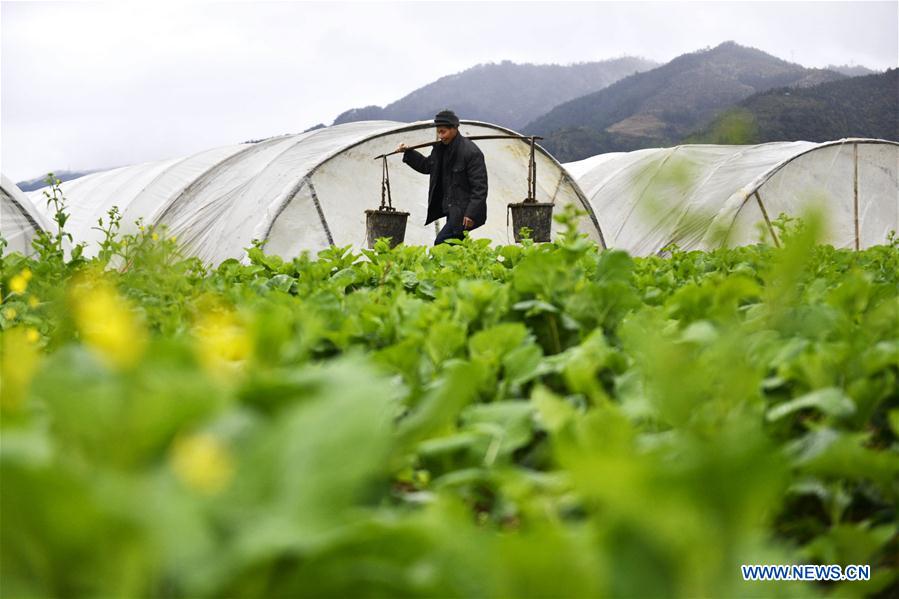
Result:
[
  {"x": 38, "y": 182},
  {"x": 856, "y": 107},
  {"x": 851, "y": 70},
  {"x": 507, "y": 93},
  {"x": 661, "y": 106}
]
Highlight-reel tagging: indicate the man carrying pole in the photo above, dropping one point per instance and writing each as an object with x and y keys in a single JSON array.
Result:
[{"x": 458, "y": 179}]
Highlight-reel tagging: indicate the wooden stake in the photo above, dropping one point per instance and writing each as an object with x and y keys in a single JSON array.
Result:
[
  {"x": 855, "y": 195},
  {"x": 758, "y": 199}
]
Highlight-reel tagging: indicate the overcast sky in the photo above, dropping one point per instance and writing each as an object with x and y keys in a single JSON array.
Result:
[{"x": 93, "y": 85}]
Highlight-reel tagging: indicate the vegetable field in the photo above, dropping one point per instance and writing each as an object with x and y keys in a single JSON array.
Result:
[{"x": 547, "y": 420}]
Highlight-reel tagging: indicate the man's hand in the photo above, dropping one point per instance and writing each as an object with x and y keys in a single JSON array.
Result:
[
  {"x": 467, "y": 223},
  {"x": 401, "y": 148}
]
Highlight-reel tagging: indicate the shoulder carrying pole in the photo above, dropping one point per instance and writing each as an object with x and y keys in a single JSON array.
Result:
[{"x": 473, "y": 138}]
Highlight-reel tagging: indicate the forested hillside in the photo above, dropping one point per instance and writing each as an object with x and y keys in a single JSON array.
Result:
[
  {"x": 661, "y": 106},
  {"x": 505, "y": 94},
  {"x": 857, "y": 107}
]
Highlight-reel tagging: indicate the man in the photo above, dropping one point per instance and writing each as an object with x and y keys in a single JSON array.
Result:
[{"x": 458, "y": 179}]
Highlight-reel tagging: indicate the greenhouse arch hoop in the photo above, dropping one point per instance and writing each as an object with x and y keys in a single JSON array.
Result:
[
  {"x": 306, "y": 192},
  {"x": 705, "y": 196},
  {"x": 853, "y": 141},
  {"x": 427, "y": 125},
  {"x": 20, "y": 219}
]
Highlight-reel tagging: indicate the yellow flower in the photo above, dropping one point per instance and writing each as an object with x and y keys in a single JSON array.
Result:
[
  {"x": 33, "y": 302},
  {"x": 154, "y": 237},
  {"x": 106, "y": 323},
  {"x": 19, "y": 283},
  {"x": 32, "y": 335},
  {"x": 16, "y": 372},
  {"x": 223, "y": 344},
  {"x": 9, "y": 313},
  {"x": 202, "y": 462}
]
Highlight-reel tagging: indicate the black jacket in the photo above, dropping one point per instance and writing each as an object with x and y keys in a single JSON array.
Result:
[{"x": 468, "y": 189}]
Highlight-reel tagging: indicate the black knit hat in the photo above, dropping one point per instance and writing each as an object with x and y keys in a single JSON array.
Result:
[{"x": 446, "y": 118}]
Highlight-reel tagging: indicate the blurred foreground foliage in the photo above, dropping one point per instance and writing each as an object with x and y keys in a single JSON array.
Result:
[{"x": 464, "y": 420}]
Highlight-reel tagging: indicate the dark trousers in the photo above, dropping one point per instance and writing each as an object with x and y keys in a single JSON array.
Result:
[{"x": 453, "y": 227}]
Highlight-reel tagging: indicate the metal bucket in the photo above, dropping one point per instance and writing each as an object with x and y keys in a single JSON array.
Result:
[
  {"x": 537, "y": 216},
  {"x": 385, "y": 223}
]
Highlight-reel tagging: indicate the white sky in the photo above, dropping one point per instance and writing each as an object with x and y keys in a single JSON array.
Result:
[{"x": 94, "y": 85}]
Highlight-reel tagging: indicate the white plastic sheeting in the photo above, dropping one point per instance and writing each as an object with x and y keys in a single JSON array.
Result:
[
  {"x": 19, "y": 219},
  {"x": 306, "y": 191},
  {"x": 703, "y": 196}
]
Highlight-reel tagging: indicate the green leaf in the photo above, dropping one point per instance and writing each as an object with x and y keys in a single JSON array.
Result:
[
  {"x": 490, "y": 345},
  {"x": 894, "y": 421},
  {"x": 445, "y": 340},
  {"x": 827, "y": 452},
  {"x": 307, "y": 472},
  {"x": 523, "y": 364},
  {"x": 281, "y": 282},
  {"x": 830, "y": 401},
  {"x": 506, "y": 425},
  {"x": 700, "y": 332},
  {"x": 445, "y": 398},
  {"x": 440, "y": 446},
  {"x": 855, "y": 543},
  {"x": 531, "y": 307},
  {"x": 554, "y": 413},
  {"x": 580, "y": 365}
]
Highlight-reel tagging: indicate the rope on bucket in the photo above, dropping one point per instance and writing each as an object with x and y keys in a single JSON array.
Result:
[
  {"x": 386, "y": 200},
  {"x": 532, "y": 175}
]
